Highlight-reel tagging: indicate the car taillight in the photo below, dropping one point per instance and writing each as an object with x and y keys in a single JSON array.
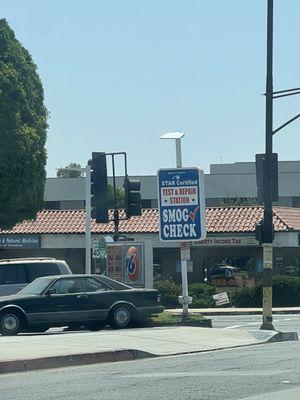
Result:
[{"x": 158, "y": 298}]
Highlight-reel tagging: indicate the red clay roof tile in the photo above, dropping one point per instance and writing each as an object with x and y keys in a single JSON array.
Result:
[{"x": 218, "y": 220}]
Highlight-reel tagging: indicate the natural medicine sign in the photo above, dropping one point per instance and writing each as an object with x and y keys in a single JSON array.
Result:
[
  {"x": 181, "y": 204},
  {"x": 20, "y": 241}
]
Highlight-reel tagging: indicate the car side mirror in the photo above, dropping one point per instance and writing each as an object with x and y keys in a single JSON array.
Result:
[{"x": 51, "y": 291}]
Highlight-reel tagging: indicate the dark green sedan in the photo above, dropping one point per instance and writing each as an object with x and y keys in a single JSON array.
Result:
[{"x": 91, "y": 301}]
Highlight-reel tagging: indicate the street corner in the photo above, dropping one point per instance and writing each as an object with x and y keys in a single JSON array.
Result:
[
  {"x": 284, "y": 337},
  {"x": 265, "y": 336}
]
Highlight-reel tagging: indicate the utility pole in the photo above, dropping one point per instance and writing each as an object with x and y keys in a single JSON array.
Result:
[
  {"x": 88, "y": 235},
  {"x": 267, "y": 176},
  {"x": 268, "y": 192}
]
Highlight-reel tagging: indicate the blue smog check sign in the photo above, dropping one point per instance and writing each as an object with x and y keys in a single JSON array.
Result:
[{"x": 181, "y": 204}]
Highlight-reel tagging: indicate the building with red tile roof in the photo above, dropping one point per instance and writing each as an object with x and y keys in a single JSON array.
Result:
[
  {"x": 218, "y": 220},
  {"x": 230, "y": 240}
]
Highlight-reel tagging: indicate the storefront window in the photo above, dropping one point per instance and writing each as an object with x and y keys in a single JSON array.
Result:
[
  {"x": 287, "y": 266},
  {"x": 233, "y": 271}
]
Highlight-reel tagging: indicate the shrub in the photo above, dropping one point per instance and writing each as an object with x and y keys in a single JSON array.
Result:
[
  {"x": 247, "y": 297},
  {"x": 169, "y": 291},
  {"x": 202, "y": 294},
  {"x": 286, "y": 293}
]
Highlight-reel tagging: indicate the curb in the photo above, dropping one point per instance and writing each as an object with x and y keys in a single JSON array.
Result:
[
  {"x": 252, "y": 312},
  {"x": 71, "y": 360},
  {"x": 203, "y": 323},
  {"x": 284, "y": 337}
]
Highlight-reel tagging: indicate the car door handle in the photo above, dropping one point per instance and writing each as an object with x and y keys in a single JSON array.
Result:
[{"x": 82, "y": 296}]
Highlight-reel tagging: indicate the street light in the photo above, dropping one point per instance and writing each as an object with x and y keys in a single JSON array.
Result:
[{"x": 177, "y": 136}]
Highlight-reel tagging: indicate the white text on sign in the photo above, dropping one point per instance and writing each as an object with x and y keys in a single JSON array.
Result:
[{"x": 177, "y": 223}]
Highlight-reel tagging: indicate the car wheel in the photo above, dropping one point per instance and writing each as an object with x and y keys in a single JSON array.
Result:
[
  {"x": 11, "y": 322},
  {"x": 120, "y": 317}
]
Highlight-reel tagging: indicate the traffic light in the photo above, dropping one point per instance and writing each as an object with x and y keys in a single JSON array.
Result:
[
  {"x": 262, "y": 181},
  {"x": 264, "y": 233},
  {"x": 133, "y": 201},
  {"x": 259, "y": 233},
  {"x": 99, "y": 195}
]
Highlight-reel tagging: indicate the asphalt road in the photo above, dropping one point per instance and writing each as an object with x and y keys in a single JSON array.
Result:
[
  {"x": 271, "y": 370},
  {"x": 264, "y": 372},
  {"x": 281, "y": 322}
]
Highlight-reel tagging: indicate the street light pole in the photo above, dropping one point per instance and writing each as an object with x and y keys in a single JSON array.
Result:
[
  {"x": 177, "y": 136},
  {"x": 178, "y": 153}
]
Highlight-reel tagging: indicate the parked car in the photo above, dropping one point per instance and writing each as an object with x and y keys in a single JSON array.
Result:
[
  {"x": 16, "y": 273},
  {"x": 226, "y": 271},
  {"x": 89, "y": 300}
]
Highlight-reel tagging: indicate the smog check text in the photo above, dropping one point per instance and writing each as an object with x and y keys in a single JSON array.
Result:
[{"x": 177, "y": 224}]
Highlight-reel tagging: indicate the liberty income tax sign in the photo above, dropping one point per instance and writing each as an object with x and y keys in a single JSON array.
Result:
[{"x": 181, "y": 204}]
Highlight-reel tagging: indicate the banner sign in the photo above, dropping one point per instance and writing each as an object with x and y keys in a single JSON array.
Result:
[
  {"x": 20, "y": 241},
  {"x": 185, "y": 251},
  {"x": 181, "y": 204},
  {"x": 228, "y": 241},
  {"x": 134, "y": 272},
  {"x": 99, "y": 248},
  {"x": 125, "y": 263},
  {"x": 221, "y": 298},
  {"x": 115, "y": 262}
]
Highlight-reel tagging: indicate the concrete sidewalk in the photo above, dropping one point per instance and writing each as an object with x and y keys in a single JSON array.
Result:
[
  {"x": 237, "y": 311},
  {"x": 61, "y": 349}
]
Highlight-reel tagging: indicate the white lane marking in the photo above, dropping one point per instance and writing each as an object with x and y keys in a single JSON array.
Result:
[{"x": 259, "y": 322}]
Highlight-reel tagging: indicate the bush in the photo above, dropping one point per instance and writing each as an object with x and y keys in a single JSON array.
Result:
[
  {"x": 247, "y": 297},
  {"x": 286, "y": 293},
  {"x": 169, "y": 291},
  {"x": 202, "y": 295}
]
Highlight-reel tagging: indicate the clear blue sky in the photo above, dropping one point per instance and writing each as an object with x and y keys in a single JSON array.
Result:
[{"x": 118, "y": 74}]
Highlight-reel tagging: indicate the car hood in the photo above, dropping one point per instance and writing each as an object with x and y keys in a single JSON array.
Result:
[{"x": 14, "y": 297}]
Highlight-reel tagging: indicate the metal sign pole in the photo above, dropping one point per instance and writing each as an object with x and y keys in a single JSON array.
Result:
[
  {"x": 184, "y": 257},
  {"x": 185, "y": 292},
  {"x": 183, "y": 262}
]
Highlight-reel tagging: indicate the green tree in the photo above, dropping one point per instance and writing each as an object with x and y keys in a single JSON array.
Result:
[
  {"x": 23, "y": 126},
  {"x": 73, "y": 170},
  {"x": 67, "y": 172},
  {"x": 119, "y": 197}
]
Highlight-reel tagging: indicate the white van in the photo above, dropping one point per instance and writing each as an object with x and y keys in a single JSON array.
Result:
[{"x": 16, "y": 273}]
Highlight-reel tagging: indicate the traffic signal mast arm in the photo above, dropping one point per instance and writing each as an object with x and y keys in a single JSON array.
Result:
[{"x": 99, "y": 191}]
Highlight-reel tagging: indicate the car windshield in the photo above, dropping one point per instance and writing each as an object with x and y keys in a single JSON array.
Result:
[{"x": 37, "y": 286}]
